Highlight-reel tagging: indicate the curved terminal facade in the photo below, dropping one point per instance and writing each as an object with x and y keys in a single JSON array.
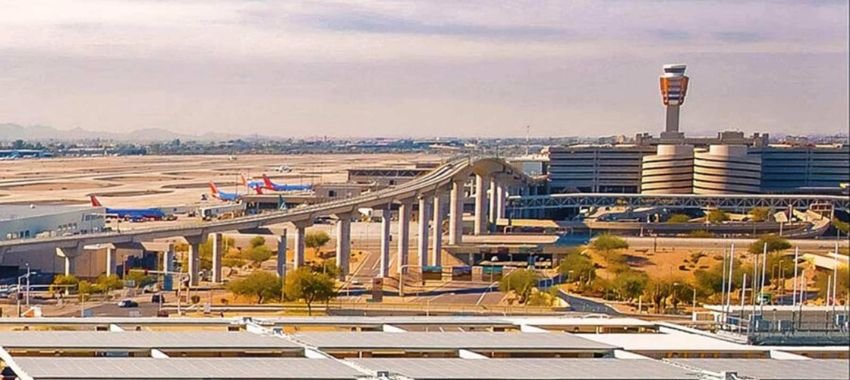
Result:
[
  {"x": 726, "y": 169},
  {"x": 671, "y": 171}
]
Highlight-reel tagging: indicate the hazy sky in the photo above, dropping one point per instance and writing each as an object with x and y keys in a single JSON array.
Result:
[{"x": 441, "y": 68}]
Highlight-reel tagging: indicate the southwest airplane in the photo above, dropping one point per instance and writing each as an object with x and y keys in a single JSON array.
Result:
[
  {"x": 131, "y": 213},
  {"x": 223, "y": 195},
  {"x": 278, "y": 187},
  {"x": 256, "y": 185}
]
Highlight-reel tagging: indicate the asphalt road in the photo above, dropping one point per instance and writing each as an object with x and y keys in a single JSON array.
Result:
[{"x": 585, "y": 305}]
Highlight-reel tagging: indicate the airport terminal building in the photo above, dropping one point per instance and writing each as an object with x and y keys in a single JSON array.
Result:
[{"x": 729, "y": 163}]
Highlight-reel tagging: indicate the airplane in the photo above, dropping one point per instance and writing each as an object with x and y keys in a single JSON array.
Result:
[
  {"x": 283, "y": 169},
  {"x": 223, "y": 195},
  {"x": 278, "y": 187},
  {"x": 131, "y": 213},
  {"x": 256, "y": 185}
]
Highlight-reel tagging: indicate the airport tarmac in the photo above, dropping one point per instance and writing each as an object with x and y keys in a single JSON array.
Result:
[{"x": 153, "y": 181}]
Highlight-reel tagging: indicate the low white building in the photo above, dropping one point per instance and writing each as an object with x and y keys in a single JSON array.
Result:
[{"x": 30, "y": 221}]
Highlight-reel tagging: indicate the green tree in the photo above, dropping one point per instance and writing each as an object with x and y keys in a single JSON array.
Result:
[
  {"x": 840, "y": 225},
  {"x": 658, "y": 290},
  {"x": 309, "y": 286},
  {"x": 760, "y": 214},
  {"x": 260, "y": 284},
  {"x": 257, "y": 241},
  {"x": 576, "y": 267},
  {"x": 140, "y": 278},
  {"x": 709, "y": 282},
  {"x": 717, "y": 216},
  {"x": 61, "y": 281},
  {"x": 521, "y": 282},
  {"x": 630, "y": 284},
  {"x": 608, "y": 244},
  {"x": 109, "y": 283},
  {"x": 774, "y": 244},
  {"x": 678, "y": 218},
  {"x": 259, "y": 254},
  {"x": 84, "y": 290},
  {"x": 327, "y": 267},
  {"x": 316, "y": 240}
]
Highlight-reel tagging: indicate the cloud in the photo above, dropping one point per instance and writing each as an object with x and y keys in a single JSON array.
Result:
[{"x": 423, "y": 67}]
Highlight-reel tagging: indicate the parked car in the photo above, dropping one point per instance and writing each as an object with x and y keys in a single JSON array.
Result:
[{"x": 157, "y": 298}]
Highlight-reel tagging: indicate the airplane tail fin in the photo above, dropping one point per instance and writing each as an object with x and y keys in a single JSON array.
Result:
[
  {"x": 242, "y": 180},
  {"x": 267, "y": 181},
  {"x": 95, "y": 202},
  {"x": 213, "y": 188}
]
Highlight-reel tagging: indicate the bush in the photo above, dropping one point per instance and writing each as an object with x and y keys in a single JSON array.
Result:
[
  {"x": 717, "y": 216},
  {"x": 760, "y": 214},
  {"x": 774, "y": 244},
  {"x": 630, "y": 284},
  {"x": 700, "y": 234},
  {"x": 140, "y": 278},
  {"x": 521, "y": 282},
  {"x": 109, "y": 283},
  {"x": 63, "y": 280},
  {"x": 678, "y": 218},
  {"x": 257, "y": 241}
]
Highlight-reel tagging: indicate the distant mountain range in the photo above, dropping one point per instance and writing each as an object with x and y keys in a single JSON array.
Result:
[{"x": 11, "y": 132}]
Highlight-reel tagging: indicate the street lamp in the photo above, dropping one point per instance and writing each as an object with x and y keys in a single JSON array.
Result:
[
  {"x": 428, "y": 303},
  {"x": 26, "y": 292},
  {"x": 401, "y": 278}
]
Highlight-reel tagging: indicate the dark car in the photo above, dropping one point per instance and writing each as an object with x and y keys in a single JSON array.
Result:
[
  {"x": 128, "y": 303},
  {"x": 157, "y": 298}
]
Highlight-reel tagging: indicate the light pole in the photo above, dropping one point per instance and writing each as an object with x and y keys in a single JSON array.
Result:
[{"x": 428, "y": 303}]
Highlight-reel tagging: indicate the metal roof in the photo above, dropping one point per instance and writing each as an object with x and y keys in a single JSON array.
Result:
[
  {"x": 13, "y": 212},
  {"x": 451, "y": 341},
  {"x": 772, "y": 369},
  {"x": 670, "y": 341},
  {"x": 390, "y": 320},
  {"x": 141, "y": 340},
  {"x": 498, "y": 369},
  {"x": 184, "y": 368}
]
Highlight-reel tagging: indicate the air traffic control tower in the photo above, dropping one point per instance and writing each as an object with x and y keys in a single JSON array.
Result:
[{"x": 674, "y": 86}]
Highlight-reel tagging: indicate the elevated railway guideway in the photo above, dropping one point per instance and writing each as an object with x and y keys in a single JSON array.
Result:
[
  {"x": 518, "y": 204},
  {"x": 446, "y": 181}
]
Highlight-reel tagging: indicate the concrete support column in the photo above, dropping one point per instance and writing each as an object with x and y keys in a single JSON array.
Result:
[
  {"x": 343, "y": 244},
  {"x": 385, "y": 243},
  {"x": 111, "y": 262},
  {"x": 492, "y": 209},
  {"x": 501, "y": 199},
  {"x": 456, "y": 212},
  {"x": 281, "y": 255},
  {"x": 424, "y": 216},
  {"x": 404, "y": 234},
  {"x": 437, "y": 226},
  {"x": 481, "y": 183},
  {"x": 70, "y": 256},
  {"x": 300, "y": 247},
  {"x": 217, "y": 256},
  {"x": 168, "y": 266},
  {"x": 194, "y": 261}
]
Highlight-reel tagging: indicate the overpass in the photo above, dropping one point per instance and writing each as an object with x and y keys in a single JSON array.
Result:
[
  {"x": 430, "y": 192},
  {"x": 518, "y": 204}
]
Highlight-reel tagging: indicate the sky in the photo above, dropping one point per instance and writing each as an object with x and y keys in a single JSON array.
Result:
[{"x": 476, "y": 68}]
